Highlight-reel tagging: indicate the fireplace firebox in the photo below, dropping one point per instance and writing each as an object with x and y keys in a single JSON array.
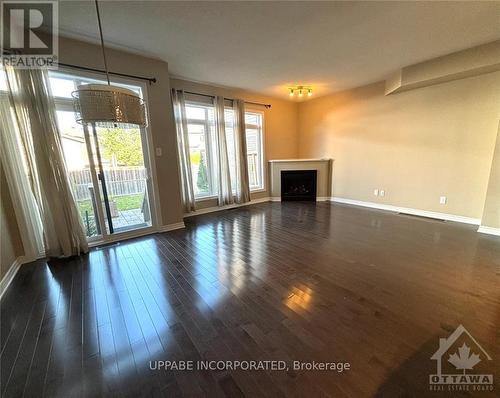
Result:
[{"x": 298, "y": 185}]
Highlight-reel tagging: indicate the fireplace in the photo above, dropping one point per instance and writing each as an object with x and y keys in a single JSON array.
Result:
[{"x": 298, "y": 185}]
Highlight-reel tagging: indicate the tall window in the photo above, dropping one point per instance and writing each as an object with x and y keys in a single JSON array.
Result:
[
  {"x": 200, "y": 119},
  {"x": 201, "y": 131},
  {"x": 253, "y": 127}
]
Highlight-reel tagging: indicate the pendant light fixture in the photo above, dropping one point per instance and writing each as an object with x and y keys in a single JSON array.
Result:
[{"x": 106, "y": 105}]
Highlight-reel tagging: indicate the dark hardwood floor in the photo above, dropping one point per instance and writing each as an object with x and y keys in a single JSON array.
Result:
[{"x": 272, "y": 281}]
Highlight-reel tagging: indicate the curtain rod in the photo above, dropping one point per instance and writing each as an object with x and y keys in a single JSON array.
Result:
[
  {"x": 267, "y": 106},
  {"x": 148, "y": 79}
]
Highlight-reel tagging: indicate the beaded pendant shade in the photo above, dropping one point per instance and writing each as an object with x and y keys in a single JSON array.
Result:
[
  {"x": 106, "y": 105},
  {"x": 109, "y": 106}
]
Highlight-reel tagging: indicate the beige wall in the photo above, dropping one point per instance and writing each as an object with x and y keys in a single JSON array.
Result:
[
  {"x": 280, "y": 125},
  {"x": 416, "y": 145},
  {"x": 491, "y": 213},
  {"x": 11, "y": 246},
  {"x": 160, "y": 112}
]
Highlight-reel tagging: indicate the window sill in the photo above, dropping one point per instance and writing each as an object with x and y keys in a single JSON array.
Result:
[
  {"x": 205, "y": 198},
  {"x": 258, "y": 190},
  {"x": 212, "y": 197}
]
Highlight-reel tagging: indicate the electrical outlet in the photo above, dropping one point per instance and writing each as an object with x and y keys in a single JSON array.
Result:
[
  {"x": 158, "y": 151},
  {"x": 375, "y": 192},
  {"x": 382, "y": 192},
  {"x": 443, "y": 200}
]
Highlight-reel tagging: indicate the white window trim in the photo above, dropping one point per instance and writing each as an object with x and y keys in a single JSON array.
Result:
[
  {"x": 263, "y": 150},
  {"x": 208, "y": 142}
]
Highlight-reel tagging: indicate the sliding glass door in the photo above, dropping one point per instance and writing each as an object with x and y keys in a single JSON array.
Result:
[
  {"x": 123, "y": 178},
  {"x": 79, "y": 171},
  {"x": 108, "y": 167}
]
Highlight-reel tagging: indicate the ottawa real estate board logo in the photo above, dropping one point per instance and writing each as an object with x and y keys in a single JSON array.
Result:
[
  {"x": 460, "y": 361},
  {"x": 29, "y": 34}
]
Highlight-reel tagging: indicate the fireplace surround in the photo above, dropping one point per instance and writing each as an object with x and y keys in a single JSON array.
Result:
[{"x": 322, "y": 167}]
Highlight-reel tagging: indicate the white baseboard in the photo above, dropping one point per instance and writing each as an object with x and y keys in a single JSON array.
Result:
[
  {"x": 408, "y": 210},
  {"x": 275, "y": 199},
  {"x": 226, "y": 207},
  {"x": 489, "y": 230},
  {"x": 171, "y": 227},
  {"x": 10, "y": 274}
]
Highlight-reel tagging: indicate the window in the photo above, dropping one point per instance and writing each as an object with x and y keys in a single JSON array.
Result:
[
  {"x": 201, "y": 133},
  {"x": 253, "y": 127},
  {"x": 201, "y": 123}
]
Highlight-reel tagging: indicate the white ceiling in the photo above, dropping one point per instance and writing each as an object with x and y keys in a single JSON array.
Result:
[{"x": 266, "y": 46}]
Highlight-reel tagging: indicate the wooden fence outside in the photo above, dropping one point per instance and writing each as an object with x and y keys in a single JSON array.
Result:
[{"x": 120, "y": 181}]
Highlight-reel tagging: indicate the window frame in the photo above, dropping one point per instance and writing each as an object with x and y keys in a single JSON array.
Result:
[
  {"x": 212, "y": 191},
  {"x": 262, "y": 148},
  {"x": 208, "y": 127}
]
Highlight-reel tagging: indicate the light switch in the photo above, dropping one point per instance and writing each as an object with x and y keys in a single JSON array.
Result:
[
  {"x": 443, "y": 200},
  {"x": 375, "y": 192}
]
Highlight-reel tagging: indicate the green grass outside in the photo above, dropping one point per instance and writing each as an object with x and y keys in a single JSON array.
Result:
[{"x": 127, "y": 202}]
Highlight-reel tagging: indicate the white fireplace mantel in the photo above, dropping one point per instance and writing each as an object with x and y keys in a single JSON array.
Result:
[{"x": 324, "y": 175}]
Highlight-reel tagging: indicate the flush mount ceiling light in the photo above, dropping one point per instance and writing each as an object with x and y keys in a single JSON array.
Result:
[
  {"x": 300, "y": 91},
  {"x": 106, "y": 105}
]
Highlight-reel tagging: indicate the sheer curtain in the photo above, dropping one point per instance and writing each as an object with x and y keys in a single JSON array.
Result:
[
  {"x": 33, "y": 120},
  {"x": 242, "y": 181},
  {"x": 26, "y": 209},
  {"x": 225, "y": 193},
  {"x": 187, "y": 191}
]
